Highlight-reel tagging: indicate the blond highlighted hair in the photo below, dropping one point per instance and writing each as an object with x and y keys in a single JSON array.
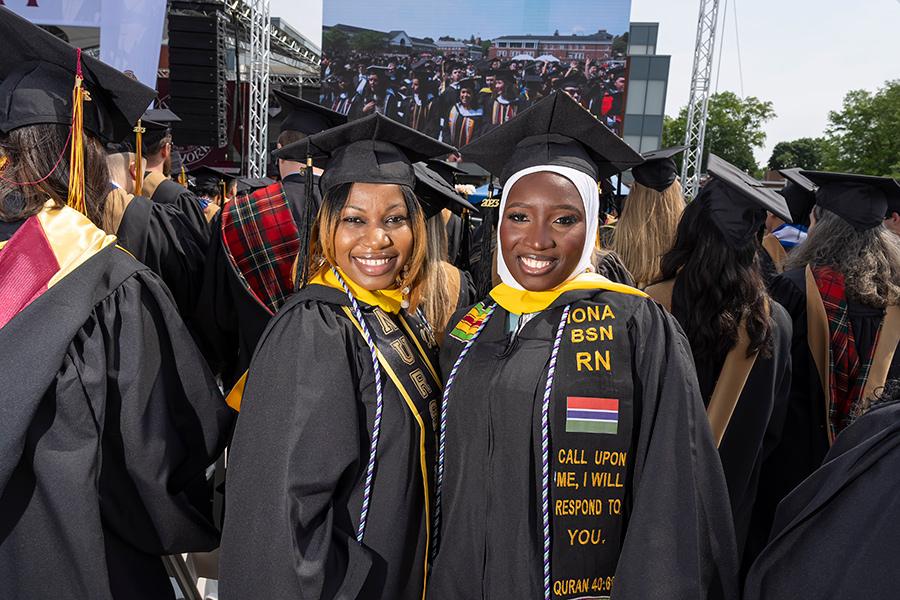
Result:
[
  {"x": 322, "y": 253},
  {"x": 646, "y": 230}
]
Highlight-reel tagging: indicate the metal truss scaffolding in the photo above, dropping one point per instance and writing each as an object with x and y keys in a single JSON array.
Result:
[
  {"x": 258, "y": 106},
  {"x": 699, "y": 100}
]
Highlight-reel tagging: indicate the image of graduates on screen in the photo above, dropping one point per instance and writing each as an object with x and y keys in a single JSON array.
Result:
[{"x": 457, "y": 89}]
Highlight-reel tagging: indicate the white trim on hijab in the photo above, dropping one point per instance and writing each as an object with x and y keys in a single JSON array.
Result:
[{"x": 590, "y": 196}]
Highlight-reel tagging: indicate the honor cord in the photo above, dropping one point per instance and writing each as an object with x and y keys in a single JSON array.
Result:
[
  {"x": 379, "y": 405},
  {"x": 545, "y": 448},
  {"x": 445, "y": 400}
]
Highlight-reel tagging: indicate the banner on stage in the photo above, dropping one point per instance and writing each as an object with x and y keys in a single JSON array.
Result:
[
  {"x": 75, "y": 13},
  {"x": 130, "y": 34}
]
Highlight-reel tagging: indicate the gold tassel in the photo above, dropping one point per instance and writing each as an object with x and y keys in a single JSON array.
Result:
[
  {"x": 138, "y": 158},
  {"x": 76, "y": 199},
  {"x": 182, "y": 178},
  {"x": 224, "y": 193}
]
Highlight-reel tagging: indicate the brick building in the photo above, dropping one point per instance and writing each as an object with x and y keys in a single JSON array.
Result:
[{"x": 596, "y": 46}]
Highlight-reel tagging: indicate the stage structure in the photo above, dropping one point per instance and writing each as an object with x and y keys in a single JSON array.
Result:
[
  {"x": 698, "y": 104},
  {"x": 258, "y": 117},
  {"x": 261, "y": 53}
]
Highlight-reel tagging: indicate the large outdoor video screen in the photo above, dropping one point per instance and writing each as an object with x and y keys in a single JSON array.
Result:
[{"x": 455, "y": 70}]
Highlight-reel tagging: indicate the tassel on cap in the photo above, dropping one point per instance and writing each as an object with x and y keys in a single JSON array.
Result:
[
  {"x": 484, "y": 277},
  {"x": 76, "y": 154},
  {"x": 304, "y": 228},
  {"x": 182, "y": 177},
  {"x": 139, "y": 158}
]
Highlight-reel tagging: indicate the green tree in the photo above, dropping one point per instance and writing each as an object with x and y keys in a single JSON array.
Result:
[
  {"x": 368, "y": 42},
  {"x": 428, "y": 40},
  {"x": 734, "y": 127},
  {"x": 486, "y": 46},
  {"x": 805, "y": 153},
  {"x": 620, "y": 44},
  {"x": 335, "y": 41},
  {"x": 864, "y": 136}
]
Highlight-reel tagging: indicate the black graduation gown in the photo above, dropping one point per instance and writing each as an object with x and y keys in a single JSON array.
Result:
[
  {"x": 677, "y": 537},
  {"x": 161, "y": 237},
  {"x": 454, "y": 228},
  {"x": 753, "y": 433},
  {"x": 804, "y": 440},
  {"x": 610, "y": 265},
  {"x": 166, "y": 191},
  {"x": 298, "y": 461},
  {"x": 109, "y": 420},
  {"x": 836, "y": 535},
  {"x": 229, "y": 319}
]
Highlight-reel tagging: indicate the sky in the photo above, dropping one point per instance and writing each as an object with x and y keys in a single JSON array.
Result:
[
  {"x": 483, "y": 18},
  {"x": 803, "y": 55}
]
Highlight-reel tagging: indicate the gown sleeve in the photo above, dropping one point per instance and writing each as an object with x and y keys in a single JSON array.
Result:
[
  {"x": 610, "y": 265},
  {"x": 680, "y": 540},
  {"x": 162, "y": 417},
  {"x": 294, "y": 457}
]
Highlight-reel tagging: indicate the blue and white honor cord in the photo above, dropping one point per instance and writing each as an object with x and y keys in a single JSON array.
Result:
[
  {"x": 442, "y": 436},
  {"x": 545, "y": 437},
  {"x": 545, "y": 448},
  {"x": 379, "y": 406}
]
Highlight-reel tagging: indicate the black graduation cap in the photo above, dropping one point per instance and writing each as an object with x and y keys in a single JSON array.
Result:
[
  {"x": 204, "y": 173},
  {"x": 554, "y": 131},
  {"x": 376, "y": 69},
  {"x": 893, "y": 202},
  {"x": 658, "y": 170},
  {"x": 575, "y": 80},
  {"x": 435, "y": 194},
  {"x": 861, "y": 200},
  {"x": 737, "y": 202},
  {"x": 161, "y": 115},
  {"x": 157, "y": 123},
  {"x": 470, "y": 83},
  {"x": 447, "y": 171},
  {"x": 306, "y": 117},
  {"x": 374, "y": 149},
  {"x": 799, "y": 193},
  {"x": 506, "y": 75},
  {"x": 37, "y": 71},
  {"x": 250, "y": 184}
]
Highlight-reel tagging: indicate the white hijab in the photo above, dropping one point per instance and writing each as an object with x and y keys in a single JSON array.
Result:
[{"x": 590, "y": 196}]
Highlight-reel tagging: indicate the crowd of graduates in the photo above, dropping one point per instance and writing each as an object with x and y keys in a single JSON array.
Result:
[
  {"x": 456, "y": 99},
  {"x": 355, "y": 382}
]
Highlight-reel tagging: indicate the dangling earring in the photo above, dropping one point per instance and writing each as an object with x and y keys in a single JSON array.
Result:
[{"x": 404, "y": 287}]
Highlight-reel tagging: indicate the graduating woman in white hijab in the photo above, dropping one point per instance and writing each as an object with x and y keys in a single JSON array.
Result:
[{"x": 574, "y": 455}]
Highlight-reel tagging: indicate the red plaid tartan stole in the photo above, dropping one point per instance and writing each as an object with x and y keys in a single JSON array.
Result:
[
  {"x": 848, "y": 370},
  {"x": 260, "y": 239}
]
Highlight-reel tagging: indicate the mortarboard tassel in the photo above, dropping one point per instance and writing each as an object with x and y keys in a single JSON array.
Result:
[
  {"x": 304, "y": 228},
  {"x": 484, "y": 276},
  {"x": 182, "y": 177},
  {"x": 224, "y": 192},
  {"x": 138, "y": 158},
  {"x": 76, "y": 155},
  {"x": 463, "y": 257}
]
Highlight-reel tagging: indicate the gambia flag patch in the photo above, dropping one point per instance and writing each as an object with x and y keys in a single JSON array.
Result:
[
  {"x": 467, "y": 327},
  {"x": 592, "y": 415}
]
